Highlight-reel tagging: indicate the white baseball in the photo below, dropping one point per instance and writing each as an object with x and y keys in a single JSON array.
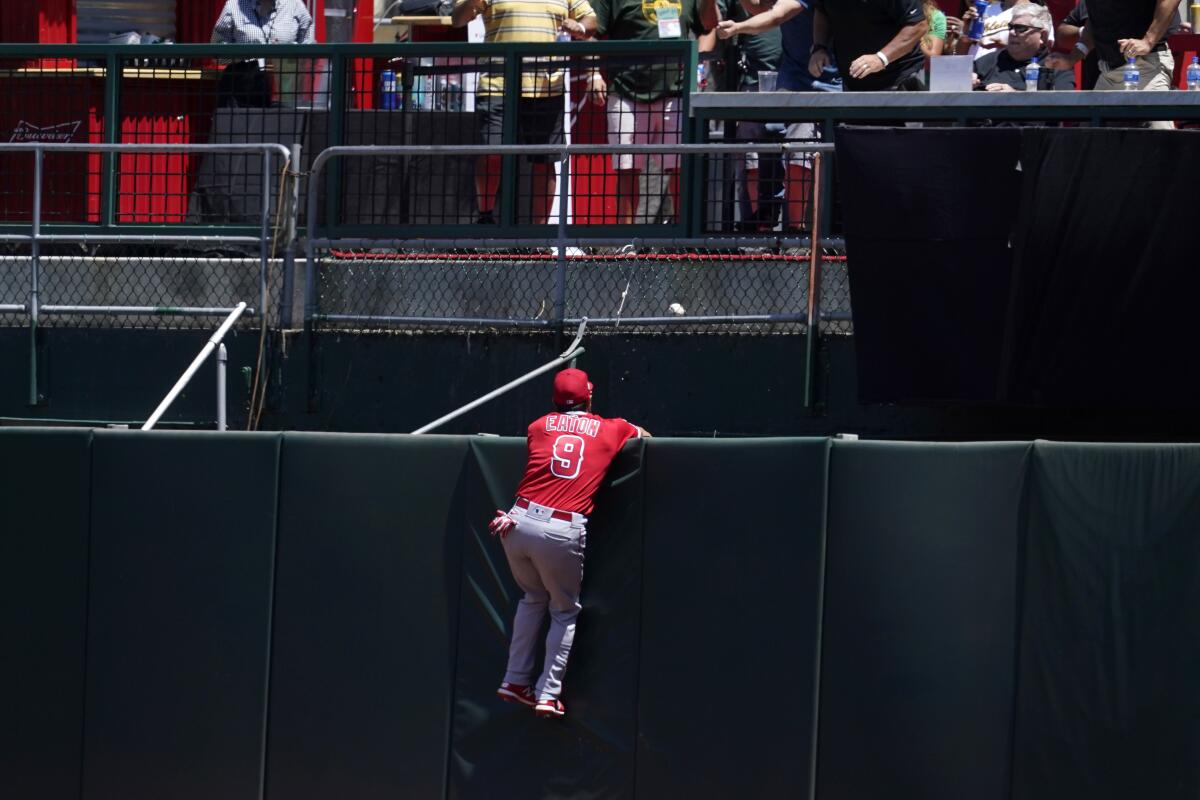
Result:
[{"x": 677, "y": 309}]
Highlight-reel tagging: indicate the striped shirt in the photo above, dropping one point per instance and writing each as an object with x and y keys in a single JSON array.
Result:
[
  {"x": 240, "y": 23},
  {"x": 528, "y": 21}
]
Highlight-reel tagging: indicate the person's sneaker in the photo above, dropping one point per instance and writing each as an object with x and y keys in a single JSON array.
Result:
[
  {"x": 485, "y": 218},
  {"x": 516, "y": 693},
  {"x": 550, "y": 708}
]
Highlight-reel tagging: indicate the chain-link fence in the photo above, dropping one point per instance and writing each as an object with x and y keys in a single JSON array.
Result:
[
  {"x": 835, "y": 290},
  {"x": 137, "y": 284},
  {"x": 650, "y": 286},
  {"x": 102, "y": 279},
  {"x": 754, "y": 283}
]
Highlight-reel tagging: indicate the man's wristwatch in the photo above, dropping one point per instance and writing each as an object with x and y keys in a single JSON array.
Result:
[{"x": 817, "y": 47}]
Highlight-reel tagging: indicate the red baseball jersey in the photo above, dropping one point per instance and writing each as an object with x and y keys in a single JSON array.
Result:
[{"x": 569, "y": 453}]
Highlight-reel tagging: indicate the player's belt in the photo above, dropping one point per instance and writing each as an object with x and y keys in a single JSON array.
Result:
[{"x": 566, "y": 516}]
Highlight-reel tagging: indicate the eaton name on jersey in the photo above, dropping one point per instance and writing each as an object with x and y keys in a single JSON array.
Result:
[{"x": 569, "y": 423}]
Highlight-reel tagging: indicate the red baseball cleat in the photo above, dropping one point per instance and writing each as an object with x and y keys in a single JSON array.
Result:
[
  {"x": 516, "y": 693},
  {"x": 550, "y": 708}
]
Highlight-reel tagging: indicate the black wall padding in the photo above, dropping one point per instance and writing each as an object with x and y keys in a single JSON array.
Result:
[
  {"x": 920, "y": 621},
  {"x": 44, "y": 488},
  {"x": 502, "y": 750},
  {"x": 365, "y": 613},
  {"x": 930, "y": 258},
  {"x": 730, "y": 610},
  {"x": 1107, "y": 702},
  {"x": 180, "y": 593}
]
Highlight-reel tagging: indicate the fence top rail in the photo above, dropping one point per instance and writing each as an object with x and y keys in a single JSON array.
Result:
[
  {"x": 916, "y": 103},
  {"x": 560, "y": 149},
  {"x": 665, "y": 242},
  {"x": 96, "y": 147},
  {"x": 351, "y": 50}
]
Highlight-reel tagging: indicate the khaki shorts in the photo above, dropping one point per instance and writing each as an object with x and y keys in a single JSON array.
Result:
[
  {"x": 631, "y": 122},
  {"x": 1154, "y": 75}
]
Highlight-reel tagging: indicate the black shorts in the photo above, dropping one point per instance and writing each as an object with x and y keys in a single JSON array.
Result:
[{"x": 539, "y": 121}]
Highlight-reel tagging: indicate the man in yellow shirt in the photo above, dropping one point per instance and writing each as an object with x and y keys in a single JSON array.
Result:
[{"x": 540, "y": 109}]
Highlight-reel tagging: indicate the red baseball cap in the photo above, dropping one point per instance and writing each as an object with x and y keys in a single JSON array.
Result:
[{"x": 571, "y": 387}]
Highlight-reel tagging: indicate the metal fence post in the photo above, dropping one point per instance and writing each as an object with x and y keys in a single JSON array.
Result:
[
  {"x": 691, "y": 186},
  {"x": 112, "y": 135},
  {"x": 508, "y": 162},
  {"x": 560, "y": 277},
  {"x": 265, "y": 247},
  {"x": 814, "y": 289},
  {"x": 222, "y": 359},
  {"x": 337, "y": 130},
  {"x": 291, "y": 213},
  {"x": 39, "y": 158}
]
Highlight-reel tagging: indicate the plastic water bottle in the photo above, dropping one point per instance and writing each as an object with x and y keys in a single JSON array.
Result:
[
  {"x": 388, "y": 97},
  {"x": 1032, "y": 73},
  {"x": 976, "y": 30},
  {"x": 1193, "y": 75},
  {"x": 1131, "y": 74}
]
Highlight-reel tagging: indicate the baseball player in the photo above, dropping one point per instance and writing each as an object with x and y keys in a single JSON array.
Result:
[{"x": 544, "y": 534}]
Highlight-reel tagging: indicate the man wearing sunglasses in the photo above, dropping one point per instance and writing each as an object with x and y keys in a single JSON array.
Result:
[{"x": 1028, "y": 36}]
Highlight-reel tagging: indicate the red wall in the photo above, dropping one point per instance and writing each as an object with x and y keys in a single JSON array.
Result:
[{"x": 47, "y": 22}]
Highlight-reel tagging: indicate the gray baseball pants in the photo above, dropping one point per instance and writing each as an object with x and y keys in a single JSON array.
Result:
[{"x": 546, "y": 559}]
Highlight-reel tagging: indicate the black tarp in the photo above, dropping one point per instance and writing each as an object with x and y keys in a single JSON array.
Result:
[
  {"x": 1102, "y": 311},
  {"x": 929, "y": 217},
  {"x": 1108, "y": 705},
  {"x": 1047, "y": 266}
]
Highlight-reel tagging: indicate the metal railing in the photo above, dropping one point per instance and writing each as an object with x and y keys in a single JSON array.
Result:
[
  {"x": 574, "y": 350},
  {"x": 545, "y": 296},
  {"x": 315, "y": 95},
  {"x": 149, "y": 277},
  {"x": 214, "y": 342}
]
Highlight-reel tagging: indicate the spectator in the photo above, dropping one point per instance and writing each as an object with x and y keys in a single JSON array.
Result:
[
  {"x": 995, "y": 27},
  {"x": 1121, "y": 29},
  {"x": 1028, "y": 37},
  {"x": 540, "y": 107},
  {"x": 264, "y": 22},
  {"x": 933, "y": 43},
  {"x": 796, "y": 30},
  {"x": 246, "y": 84},
  {"x": 1072, "y": 26},
  {"x": 643, "y": 99},
  {"x": 876, "y": 42},
  {"x": 1068, "y": 35},
  {"x": 756, "y": 52}
]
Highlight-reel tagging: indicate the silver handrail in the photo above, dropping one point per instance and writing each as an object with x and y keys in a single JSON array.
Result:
[
  {"x": 205, "y": 352},
  {"x": 573, "y": 350}
]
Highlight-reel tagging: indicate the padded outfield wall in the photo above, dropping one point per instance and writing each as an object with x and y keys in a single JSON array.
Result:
[{"x": 312, "y": 616}]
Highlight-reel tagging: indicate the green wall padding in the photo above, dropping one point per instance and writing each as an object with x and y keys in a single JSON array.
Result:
[
  {"x": 502, "y": 750},
  {"x": 310, "y": 616},
  {"x": 182, "y": 543},
  {"x": 44, "y": 488},
  {"x": 365, "y": 613},
  {"x": 920, "y": 620},
  {"x": 1107, "y": 704},
  {"x": 730, "y": 608}
]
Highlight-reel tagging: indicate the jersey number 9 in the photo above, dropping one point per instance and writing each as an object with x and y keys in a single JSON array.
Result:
[{"x": 568, "y": 457}]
